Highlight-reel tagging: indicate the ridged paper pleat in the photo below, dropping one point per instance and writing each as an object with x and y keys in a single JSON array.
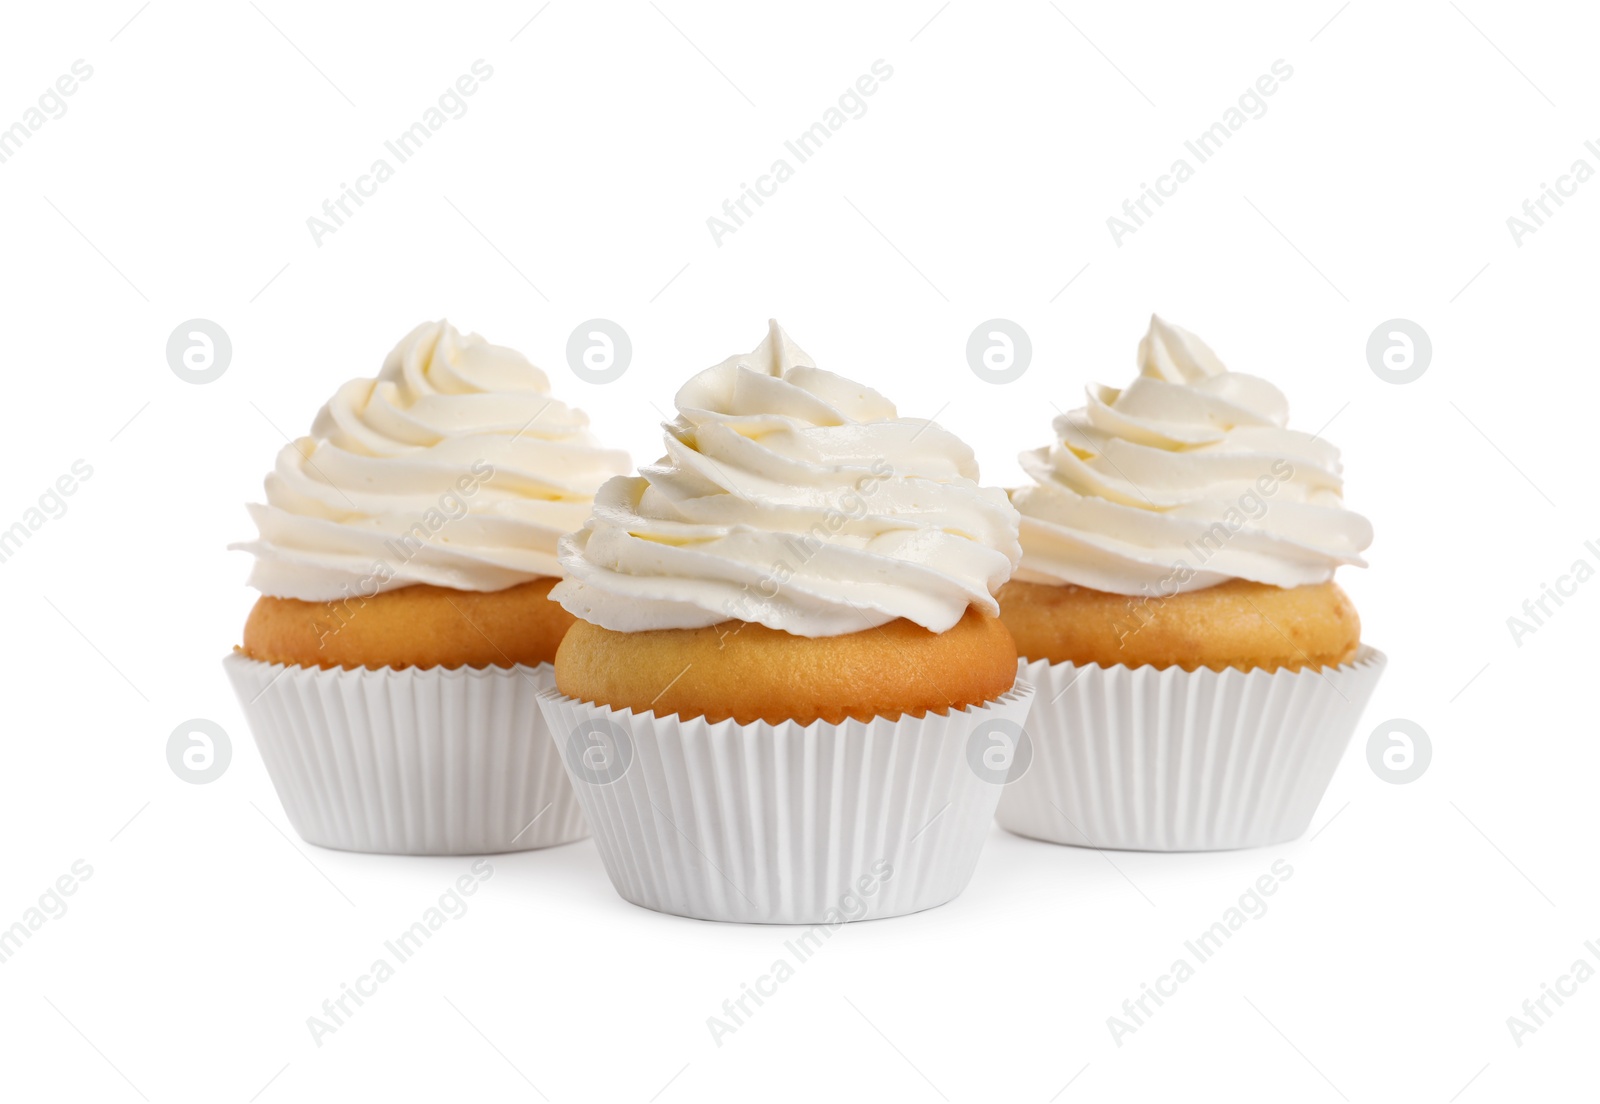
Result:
[
  {"x": 409, "y": 762},
  {"x": 782, "y": 823},
  {"x": 1147, "y": 759}
]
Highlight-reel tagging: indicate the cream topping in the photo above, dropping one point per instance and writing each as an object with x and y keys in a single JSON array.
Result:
[
  {"x": 1183, "y": 479},
  {"x": 453, "y": 467},
  {"x": 797, "y": 499}
]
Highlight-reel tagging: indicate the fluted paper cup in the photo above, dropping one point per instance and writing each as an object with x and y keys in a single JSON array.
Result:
[
  {"x": 1147, "y": 759},
  {"x": 410, "y": 762},
  {"x": 787, "y": 823}
]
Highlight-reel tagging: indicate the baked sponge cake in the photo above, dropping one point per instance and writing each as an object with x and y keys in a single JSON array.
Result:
[
  {"x": 748, "y": 672},
  {"x": 420, "y": 625},
  {"x": 1237, "y": 623}
]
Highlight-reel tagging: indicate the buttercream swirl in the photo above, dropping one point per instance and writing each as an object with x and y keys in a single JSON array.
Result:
[
  {"x": 1186, "y": 478},
  {"x": 453, "y": 467},
  {"x": 797, "y": 499}
]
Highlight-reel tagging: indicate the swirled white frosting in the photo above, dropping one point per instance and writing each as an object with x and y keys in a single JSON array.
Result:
[
  {"x": 1184, "y": 479},
  {"x": 454, "y": 467},
  {"x": 796, "y": 499}
]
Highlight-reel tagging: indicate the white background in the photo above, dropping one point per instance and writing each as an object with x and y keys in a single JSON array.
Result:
[{"x": 578, "y": 184}]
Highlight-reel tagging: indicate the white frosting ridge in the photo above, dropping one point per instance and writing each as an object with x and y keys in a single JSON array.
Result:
[
  {"x": 453, "y": 467},
  {"x": 797, "y": 499},
  {"x": 1186, "y": 478}
]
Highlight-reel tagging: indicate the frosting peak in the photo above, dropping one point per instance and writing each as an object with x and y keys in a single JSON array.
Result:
[
  {"x": 1176, "y": 355},
  {"x": 1187, "y": 477},
  {"x": 453, "y": 467},
  {"x": 795, "y": 498}
]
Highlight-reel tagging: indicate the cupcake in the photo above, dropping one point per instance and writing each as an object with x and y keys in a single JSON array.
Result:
[
  {"x": 1199, "y": 673},
  {"x": 788, "y": 655},
  {"x": 407, "y": 550}
]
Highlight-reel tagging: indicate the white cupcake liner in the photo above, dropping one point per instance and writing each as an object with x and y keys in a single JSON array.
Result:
[
  {"x": 783, "y": 823},
  {"x": 1147, "y": 759},
  {"x": 410, "y": 762}
]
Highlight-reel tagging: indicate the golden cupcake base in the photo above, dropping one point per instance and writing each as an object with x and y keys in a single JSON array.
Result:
[
  {"x": 415, "y": 626},
  {"x": 748, "y": 672},
  {"x": 1245, "y": 625}
]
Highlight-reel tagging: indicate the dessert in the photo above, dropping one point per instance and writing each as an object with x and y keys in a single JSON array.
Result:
[
  {"x": 1199, "y": 671},
  {"x": 787, "y": 639},
  {"x": 405, "y": 556}
]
